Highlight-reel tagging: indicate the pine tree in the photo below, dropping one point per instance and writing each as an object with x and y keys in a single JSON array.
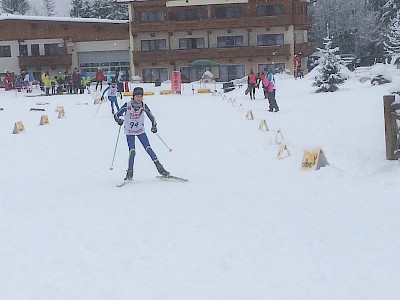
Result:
[
  {"x": 49, "y": 7},
  {"x": 386, "y": 11},
  {"x": 76, "y": 8},
  {"x": 106, "y": 9},
  {"x": 87, "y": 9},
  {"x": 392, "y": 43},
  {"x": 100, "y": 9},
  {"x": 120, "y": 12},
  {"x": 389, "y": 11},
  {"x": 330, "y": 65},
  {"x": 20, "y": 7}
]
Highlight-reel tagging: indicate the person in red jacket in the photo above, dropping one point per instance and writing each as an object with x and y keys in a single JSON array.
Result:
[
  {"x": 251, "y": 83},
  {"x": 99, "y": 79},
  {"x": 296, "y": 66},
  {"x": 260, "y": 80}
]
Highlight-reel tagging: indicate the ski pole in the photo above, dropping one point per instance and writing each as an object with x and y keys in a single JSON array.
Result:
[
  {"x": 101, "y": 102},
  {"x": 169, "y": 149},
  {"x": 115, "y": 150}
]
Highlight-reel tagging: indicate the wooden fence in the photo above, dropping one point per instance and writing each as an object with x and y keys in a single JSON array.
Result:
[{"x": 392, "y": 131}]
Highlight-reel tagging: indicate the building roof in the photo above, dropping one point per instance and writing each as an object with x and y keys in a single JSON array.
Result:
[{"x": 59, "y": 19}]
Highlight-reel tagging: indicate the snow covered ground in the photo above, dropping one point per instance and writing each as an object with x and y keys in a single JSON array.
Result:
[{"x": 246, "y": 226}]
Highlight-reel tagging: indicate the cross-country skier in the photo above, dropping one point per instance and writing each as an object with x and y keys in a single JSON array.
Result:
[
  {"x": 133, "y": 112},
  {"x": 112, "y": 90}
]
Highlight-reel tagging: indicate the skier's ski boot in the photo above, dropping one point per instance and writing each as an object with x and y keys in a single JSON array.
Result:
[
  {"x": 129, "y": 175},
  {"x": 161, "y": 169}
]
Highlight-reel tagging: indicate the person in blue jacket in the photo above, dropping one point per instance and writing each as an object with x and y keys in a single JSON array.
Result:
[
  {"x": 112, "y": 90},
  {"x": 133, "y": 121}
]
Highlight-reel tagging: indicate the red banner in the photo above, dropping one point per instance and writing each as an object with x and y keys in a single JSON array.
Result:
[{"x": 176, "y": 81}]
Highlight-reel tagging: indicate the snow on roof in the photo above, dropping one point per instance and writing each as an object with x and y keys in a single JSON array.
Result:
[{"x": 59, "y": 19}]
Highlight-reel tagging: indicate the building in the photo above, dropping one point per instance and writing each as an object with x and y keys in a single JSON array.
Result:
[
  {"x": 240, "y": 35},
  {"x": 57, "y": 44}
]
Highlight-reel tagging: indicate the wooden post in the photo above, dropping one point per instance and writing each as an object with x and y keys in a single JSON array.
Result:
[{"x": 390, "y": 127}]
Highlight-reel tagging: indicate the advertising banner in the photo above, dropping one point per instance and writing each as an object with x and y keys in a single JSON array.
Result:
[{"x": 176, "y": 82}]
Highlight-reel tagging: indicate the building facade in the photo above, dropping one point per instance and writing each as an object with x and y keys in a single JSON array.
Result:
[
  {"x": 240, "y": 35},
  {"x": 56, "y": 44}
]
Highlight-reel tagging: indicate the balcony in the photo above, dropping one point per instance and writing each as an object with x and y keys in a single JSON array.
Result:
[
  {"x": 304, "y": 48},
  {"x": 208, "y": 24},
  {"x": 45, "y": 61},
  {"x": 302, "y": 21},
  {"x": 211, "y": 53}
]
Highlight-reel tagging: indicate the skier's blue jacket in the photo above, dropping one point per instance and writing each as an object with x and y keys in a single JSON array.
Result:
[{"x": 112, "y": 92}]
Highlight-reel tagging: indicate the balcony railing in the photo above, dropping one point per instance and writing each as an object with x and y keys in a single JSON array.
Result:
[
  {"x": 204, "y": 24},
  {"x": 212, "y": 53},
  {"x": 304, "y": 48},
  {"x": 302, "y": 21},
  {"x": 46, "y": 61}
]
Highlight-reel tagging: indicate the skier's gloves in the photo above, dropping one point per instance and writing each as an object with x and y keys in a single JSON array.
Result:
[
  {"x": 153, "y": 129},
  {"x": 102, "y": 98},
  {"x": 120, "y": 121}
]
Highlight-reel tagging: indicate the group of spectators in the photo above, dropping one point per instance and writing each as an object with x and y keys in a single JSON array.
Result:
[
  {"x": 267, "y": 81},
  {"x": 75, "y": 82},
  {"x": 19, "y": 81}
]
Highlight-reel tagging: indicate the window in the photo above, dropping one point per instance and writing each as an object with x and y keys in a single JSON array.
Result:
[
  {"x": 35, "y": 50},
  {"x": 191, "y": 43},
  {"x": 270, "y": 39},
  {"x": 5, "y": 51},
  {"x": 114, "y": 66},
  {"x": 152, "y": 74},
  {"x": 269, "y": 10},
  {"x": 190, "y": 74},
  {"x": 230, "y": 72},
  {"x": 299, "y": 37},
  {"x": 277, "y": 67},
  {"x": 188, "y": 14},
  {"x": 53, "y": 50},
  {"x": 230, "y": 41},
  {"x": 152, "y": 16},
  {"x": 154, "y": 45},
  {"x": 23, "y": 50},
  {"x": 228, "y": 12}
]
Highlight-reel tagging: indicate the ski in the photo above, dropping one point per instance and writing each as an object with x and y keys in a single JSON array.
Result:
[
  {"x": 173, "y": 178},
  {"x": 125, "y": 182}
]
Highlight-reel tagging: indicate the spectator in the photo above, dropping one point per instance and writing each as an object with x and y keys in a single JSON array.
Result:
[
  {"x": 99, "y": 79},
  {"x": 251, "y": 83}
]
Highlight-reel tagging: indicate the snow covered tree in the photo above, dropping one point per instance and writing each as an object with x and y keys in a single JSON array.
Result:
[
  {"x": 76, "y": 8},
  {"x": 329, "y": 67},
  {"x": 120, "y": 12},
  {"x": 106, "y": 9},
  {"x": 100, "y": 9},
  {"x": 20, "y": 7},
  {"x": 389, "y": 11},
  {"x": 352, "y": 24},
  {"x": 386, "y": 10},
  {"x": 392, "y": 43},
  {"x": 49, "y": 7},
  {"x": 87, "y": 10}
]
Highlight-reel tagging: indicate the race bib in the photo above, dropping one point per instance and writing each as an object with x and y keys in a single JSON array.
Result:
[{"x": 134, "y": 120}]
